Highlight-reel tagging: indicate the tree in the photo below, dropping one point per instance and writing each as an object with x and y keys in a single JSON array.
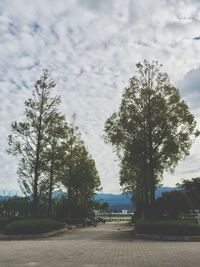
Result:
[
  {"x": 86, "y": 179},
  {"x": 15, "y": 206},
  {"x": 192, "y": 189},
  {"x": 69, "y": 153},
  {"x": 173, "y": 204},
  {"x": 78, "y": 175},
  {"x": 85, "y": 182},
  {"x": 131, "y": 180},
  {"x": 104, "y": 206},
  {"x": 152, "y": 130},
  {"x": 55, "y": 133},
  {"x": 29, "y": 140}
]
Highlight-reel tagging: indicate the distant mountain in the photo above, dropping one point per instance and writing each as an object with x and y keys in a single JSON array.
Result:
[
  {"x": 116, "y": 202},
  {"x": 120, "y": 201},
  {"x": 3, "y": 198},
  {"x": 163, "y": 189}
]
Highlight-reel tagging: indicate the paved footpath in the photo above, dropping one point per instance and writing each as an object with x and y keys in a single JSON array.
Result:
[{"x": 109, "y": 245}]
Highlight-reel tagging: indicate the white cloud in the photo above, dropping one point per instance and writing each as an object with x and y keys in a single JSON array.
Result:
[{"x": 91, "y": 48}]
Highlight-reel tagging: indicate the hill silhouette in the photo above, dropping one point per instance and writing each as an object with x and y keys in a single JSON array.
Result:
[{"x": 117, "y": 202}]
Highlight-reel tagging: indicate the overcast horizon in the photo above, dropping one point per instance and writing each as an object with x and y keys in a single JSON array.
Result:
[{"x": 91, "y": 48}]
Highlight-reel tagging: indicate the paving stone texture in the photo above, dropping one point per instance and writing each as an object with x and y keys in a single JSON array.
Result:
[{"x": 107, "y": 245}]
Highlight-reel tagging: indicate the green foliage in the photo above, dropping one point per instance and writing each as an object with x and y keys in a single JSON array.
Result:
[
  {"x": 56, "y": 133},
  {"x": 78, "y": 210},
  {"x": 32, "y": 226},
  {"x": 29, "y": 140},
  {"x": 152, "y": 130},
  {"x": 177, "y": 227},
  {"x": 15, "y": 206},
  {"x": 51, "y": 152},
  {"x": 173, "y": 204},
  {"x": 78, "y": 174},
  {"x": 192, "y": 189},
  {"x": 104, "y": 207},
  {"x": 4, "y": 221}
]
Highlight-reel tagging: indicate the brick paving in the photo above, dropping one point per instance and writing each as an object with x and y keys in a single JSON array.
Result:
[{"x": 109, "y": 245}]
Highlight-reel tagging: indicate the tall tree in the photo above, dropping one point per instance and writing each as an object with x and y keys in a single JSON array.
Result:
[
  {"x": 86, "y": 178},
  {"x": 29, "y": 140},
  {"x": 153, "y": 128},
  {"x": 69, "y": 153},
  {"x": 78, "y": 175},
  {"x": 55, "y": 133},
  {"x": 192, "y": 189}
]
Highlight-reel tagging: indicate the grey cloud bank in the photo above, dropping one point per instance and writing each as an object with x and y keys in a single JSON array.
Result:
[{"x": 91, "y": 48}]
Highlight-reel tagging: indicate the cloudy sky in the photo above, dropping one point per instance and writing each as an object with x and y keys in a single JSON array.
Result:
[{"x": 91, "y": 48}]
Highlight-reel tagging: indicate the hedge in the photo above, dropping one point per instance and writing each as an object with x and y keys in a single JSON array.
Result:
[
  {"x": 4, "y": 221},
  {"x": 177, "y": 227},
  {"x": 32, "y": 226}
]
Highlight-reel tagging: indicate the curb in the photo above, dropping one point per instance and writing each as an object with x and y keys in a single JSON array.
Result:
[
  {"x": 168, "y": 237},
  {"x": 37, "y": 236}
]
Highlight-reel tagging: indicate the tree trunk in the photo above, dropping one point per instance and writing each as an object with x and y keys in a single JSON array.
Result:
[
  {"x": 140, "y": 200},
  {"x": 69, "y": 202},
  {"x": 35, "y": 204},
  {"x": 150, "y": 146},
  {"x": 34, "y": 210},
  {"x": 152, "y": 181},
  {"x": 51, "y": 179},
  {"x": 50, "y": 190}
]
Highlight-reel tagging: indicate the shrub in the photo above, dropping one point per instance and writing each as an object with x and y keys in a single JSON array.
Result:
[
  {"x": 32, "y": 226},
  {"x": 172, "y": 204},
  {"x": 192, "y": 189},
  {"x": 3, "y": 222},
  {"x": 167, "y": 227}
]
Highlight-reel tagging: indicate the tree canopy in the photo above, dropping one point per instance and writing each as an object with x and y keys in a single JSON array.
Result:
[
  {"x": 29, "y": 139},
  {"x": 192, "y": 189},
  {"x": 152, "y": 130},
  {"x": 50, "y": 151},
  {"x": 78, "y": 174}
]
